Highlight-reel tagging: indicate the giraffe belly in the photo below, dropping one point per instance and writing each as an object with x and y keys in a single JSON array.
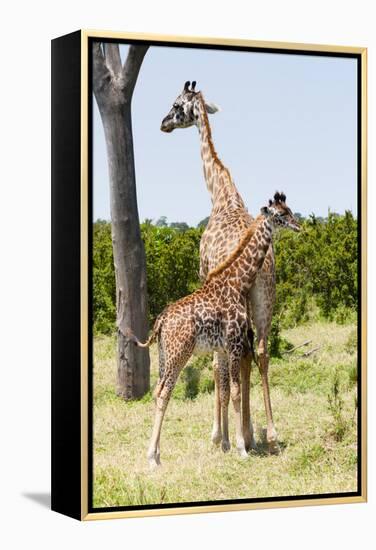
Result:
[{"x": 207, "y": 343}]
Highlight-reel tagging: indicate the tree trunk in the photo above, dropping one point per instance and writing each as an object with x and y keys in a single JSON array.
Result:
[{"x": 113, "y": 87}]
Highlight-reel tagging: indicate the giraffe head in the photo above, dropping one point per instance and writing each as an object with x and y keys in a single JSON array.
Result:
[
  {"x": 185, "y": 109},
  {"x": 279, "y": 214}
]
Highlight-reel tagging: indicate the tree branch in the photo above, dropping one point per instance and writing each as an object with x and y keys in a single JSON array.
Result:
[
  {"x": 296, "y": 347},
  {"x": 112, "y": 57},
  {"x": 131, "y": 68},
  {"x": 101, "y": 74},
  {"x": 308, "y": 353}
]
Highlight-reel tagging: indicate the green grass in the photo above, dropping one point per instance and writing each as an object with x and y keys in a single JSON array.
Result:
[{"x": 318, "y": 442}]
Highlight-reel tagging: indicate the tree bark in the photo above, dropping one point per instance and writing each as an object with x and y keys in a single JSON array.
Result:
[{"x": 113, "y": 87}]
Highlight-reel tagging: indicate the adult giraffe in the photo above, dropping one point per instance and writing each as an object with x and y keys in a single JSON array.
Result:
[{"x": 228, "y": 221}]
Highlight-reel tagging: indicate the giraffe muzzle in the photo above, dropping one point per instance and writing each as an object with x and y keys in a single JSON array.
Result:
[{"x": 166, "y": 126}]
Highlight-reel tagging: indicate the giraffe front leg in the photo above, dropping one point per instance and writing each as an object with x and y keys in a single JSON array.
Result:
[
  {"x": 216, "y": 435},
  {"x": 271, "y": 434},
  {"x": 247, "y": 426},
  {"x": 236, "y": 401}
]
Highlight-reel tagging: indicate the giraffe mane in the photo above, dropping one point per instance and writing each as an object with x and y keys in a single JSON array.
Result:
[
  {"x": 213, "y": 152},
  {"x": 235, "y": 253}
]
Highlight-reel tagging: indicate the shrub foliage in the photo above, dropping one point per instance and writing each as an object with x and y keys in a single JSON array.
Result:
[
  {"x": 316, "y": 269},
  {"x": 319, "y": 263}
]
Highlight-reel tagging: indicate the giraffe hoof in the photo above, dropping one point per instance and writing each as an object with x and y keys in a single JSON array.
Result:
[
  {"x": 154, "y": 464},
  {"x": 272, "y": 440},
  {"x": 243, "y": 454},
  {"x": 154, "y": 461},
  {"x": 251, "y": 445},
  {"x": 273, "y": 445},
  {"x": 226, "y": 446},
  {"x": 274, "y": 448},
  {"x": 216, "y": 438}
]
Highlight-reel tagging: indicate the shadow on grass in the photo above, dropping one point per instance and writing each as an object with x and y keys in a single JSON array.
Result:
[{"x": 262, "y": 447}]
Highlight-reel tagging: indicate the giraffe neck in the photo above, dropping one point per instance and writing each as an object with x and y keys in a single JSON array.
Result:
[
  {"x": 218, "y": 178},
  {"x": 242, "y": 271}
]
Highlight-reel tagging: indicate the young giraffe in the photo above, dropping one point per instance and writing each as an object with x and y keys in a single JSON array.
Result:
[
  {"x": 228, "y": 221},
  {"x": 215, "y": 317}
]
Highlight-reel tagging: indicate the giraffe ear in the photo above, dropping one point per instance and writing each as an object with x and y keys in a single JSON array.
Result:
[
  {"x": 211, "y": 108},
  {"x": 264, "y": 210}
]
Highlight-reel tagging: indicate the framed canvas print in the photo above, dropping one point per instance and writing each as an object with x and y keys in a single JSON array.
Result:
[{"x": 208, "y": 274}]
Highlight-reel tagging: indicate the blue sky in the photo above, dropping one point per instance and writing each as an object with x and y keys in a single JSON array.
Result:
[{"x": 287, "y": 122}]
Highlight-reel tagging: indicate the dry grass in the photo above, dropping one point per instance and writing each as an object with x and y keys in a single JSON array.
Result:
[{"x": 313, "y": 459}]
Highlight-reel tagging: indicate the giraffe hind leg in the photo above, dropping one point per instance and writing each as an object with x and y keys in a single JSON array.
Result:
[
  {"x": 271, "y": 434},
  {"x": 247, "y": 425},
  {"x": 224, "y": 400},
  {"x": 236, "y": 401},
  {"x": 261, "y": 303},
  {"x": 174, "y": 363},
  {"x": 216, "y": 435}
]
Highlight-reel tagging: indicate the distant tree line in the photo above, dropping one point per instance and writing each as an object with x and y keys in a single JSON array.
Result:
[{"x": 316, "y": 269}]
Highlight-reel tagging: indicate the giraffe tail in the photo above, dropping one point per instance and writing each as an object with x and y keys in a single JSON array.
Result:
[
  {"x": 131, "y": 337},
  {"x": 253, "y": 353}
]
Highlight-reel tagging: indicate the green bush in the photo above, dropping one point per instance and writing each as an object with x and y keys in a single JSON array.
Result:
[
  {"x": 191, "y": 378},
  {"x": 172, "y": 264},
  {"x": 196, "y": 378},
  {"x": 277, "y": 344},
  {"x": 319, "y": 262},
  {"x": 104, "y": 290},
  {"x": 316, "y": 271}
]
